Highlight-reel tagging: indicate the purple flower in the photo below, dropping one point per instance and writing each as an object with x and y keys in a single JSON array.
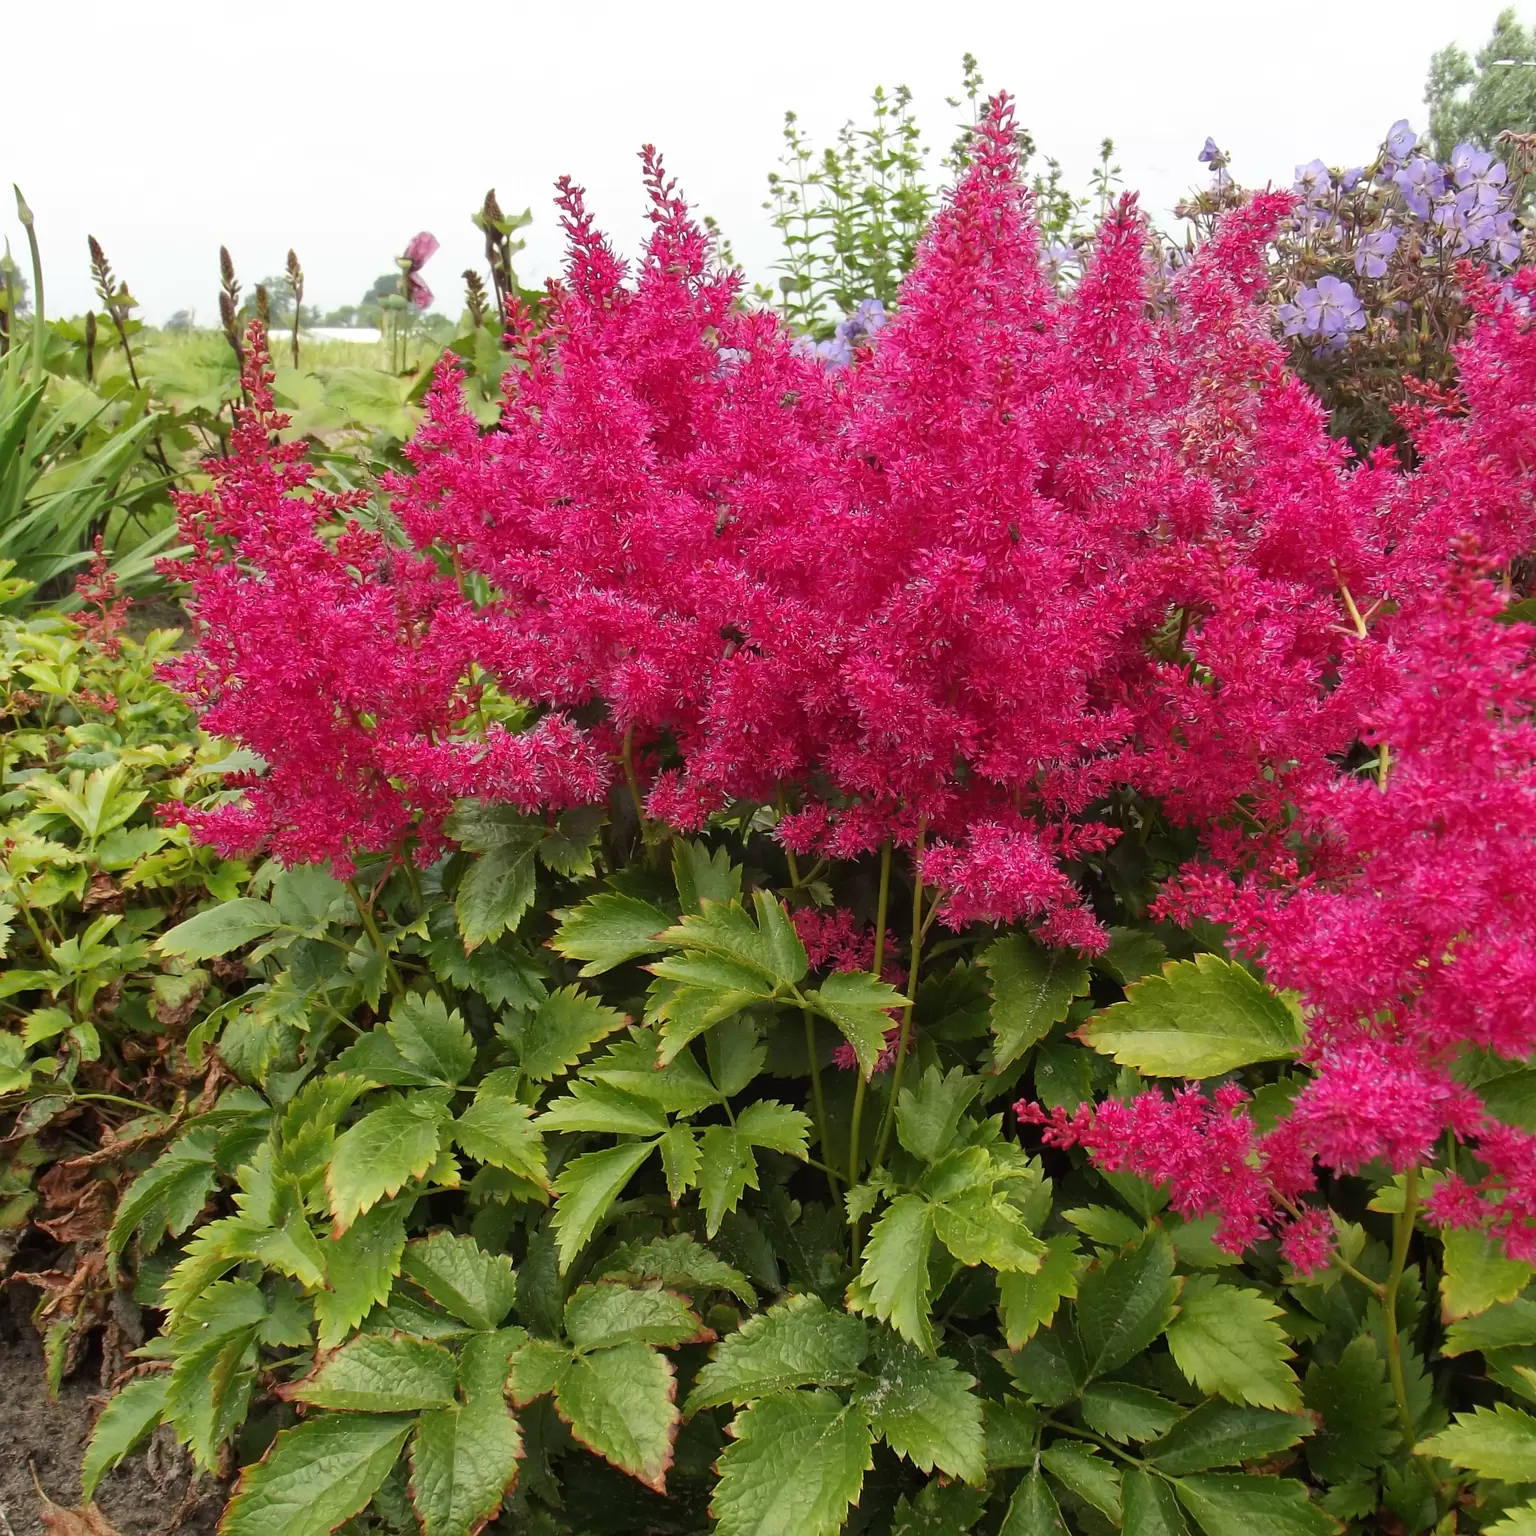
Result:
[
  {"x": 1210, "y": 154},
  {"x": 1058, "y": 257},
  {"x": 1374, "y": 251},
  {"x": 1350, "y": 179},
  {"x": 1312, "y": 180},
  {"x": 1328, "y": 310},
  {"x": 417, "y": 251},
  {"x": 1420, "y": 181},
  {"x": 1401, "y": 139},
  {"x": 866, "y": 321},
  {"x": 1497, "y": 234},
  {"x": 1479, "y": 177}
]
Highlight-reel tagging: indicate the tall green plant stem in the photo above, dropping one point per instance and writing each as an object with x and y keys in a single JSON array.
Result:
[
  {"x": 856, "y": 1130},
  {"x": 888, "y": 1121},
  {"x": 818, "y": 1099},
  {"x": 627, "y": 754},
  {"x": 1402, "y": 1237},
  {"x": 371, "y": 928}
]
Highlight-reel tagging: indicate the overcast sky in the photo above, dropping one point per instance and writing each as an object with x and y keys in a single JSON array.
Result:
[{"x": 168, "y": 127}]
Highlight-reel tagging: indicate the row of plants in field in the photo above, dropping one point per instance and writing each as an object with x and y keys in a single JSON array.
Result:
[{"x": 904, "y": 909}]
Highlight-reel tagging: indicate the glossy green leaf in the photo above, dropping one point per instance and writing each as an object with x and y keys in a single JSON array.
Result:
[
  {"x": 217, "y": 930},
  {"x": 431, "y": 1038},
  {"x": 607, "y": 930},
  {"x": 605, "y": 1313},
  {"x": 497, "y": 889},
  {"x": 1032, "y": 988},
  {"x": 1229, "y": 1504},
  {"x": 316, "y": 1475},
  {"x": 1093, "y": 1478},
  {"x": 929, "y": 1114},
  {"x": 477, "y": 1287},
  {"x": 1150, "y": 1507},
  {"x": 565, "y": 1026},
  {"x": 587, "y": 1187},
  {"x": 796, "y": 1466},
  {"x": 618, "y": 1402},
  {"x": 1218, "y": 1434},
  {"x": 1359, "y": 1418},
  {"x": 383, "y": 1152},
  {"x": 1495, "y": 1442},
  {"x": 360, "y": 1268},
  {"x": 379, "y": 1373},
  {"x": 1124, "y": 1302},
  {"x": 498, "y": 1131},
  {"x": 894, "y": 1283},
  {"x": 1227, "y": 1341},
  {"x": 1027, "y": 1301},
  {"x": 1125, "y": 1412},
  {"x": 1198, "y": 1018},
  {"x": 126, "y": 1421},
  {"x": 1033, "y": 1510}
]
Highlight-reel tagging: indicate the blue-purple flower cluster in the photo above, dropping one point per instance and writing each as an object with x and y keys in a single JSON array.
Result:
[{"x": 853, "y": 331}]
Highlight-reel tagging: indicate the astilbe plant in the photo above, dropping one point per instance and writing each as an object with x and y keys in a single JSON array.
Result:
[{"x": 1048, "y": 592}]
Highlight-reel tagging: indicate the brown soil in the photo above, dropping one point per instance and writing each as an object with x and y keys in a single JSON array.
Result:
[{"x": 149, "y": 1495}]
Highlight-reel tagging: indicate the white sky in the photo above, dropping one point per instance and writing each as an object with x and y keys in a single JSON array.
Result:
[{"x": 165, "y": 127}]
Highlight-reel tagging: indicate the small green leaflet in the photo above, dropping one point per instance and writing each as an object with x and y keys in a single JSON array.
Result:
[
  {"x": 1476, "y": 1275},
  {"x": 1150, "y": 1508},
  {"x": 925, "y": 1409},
  {"x": 859, "y": 1005},
  {"x": 1359, "y": 1419},
  {"x": 453, "y": 1269},
  {"x": 681, "y": 1264},
  {"x": 1500, "y": 1327},
  {"x": 1090, "y": 1476},
  {"x": 432, "y": 1039},
  {"x": 1032, "y": 988},
  {"x": 928, "y": 1115},
  {"x": 618, "y": 1402},
  {"x": 1124, "y": 1302},
  {"x": 379, "y": 1155},
  {"x": 498, "y": 887},
  {"x": 316, "y": 1475},
  {"x": 587, "y": 1186},
  {"x": 376, "y": 1373},
  {"x": 360, "y": 1267},
  {"x": 893, "y": 1283},
  {"x": 1227, "y": 1342},
  {"x": 1033, "y": 1510},
  {"x": 1028, "y": 1302},
  {"x": 702, "y": 875},
  {"x": 566, "y": 1025},
  {"x": 797, "y": 1464},
  {"x": 216, "y": 931},
  {"x": 1218, "y": 1434},
  {"x": 1198, "y": 1018},
  {"x": 1229, "y": 1504},
  {"x": 463, "y": 1462},
  {"x": 498, "y": 1131},
  {"x": 603, "y": 1314},
  {"x": 1125, "y": 1412},
  {"x": 609, "y": 929},
  {"x": 168, "y": 1196},
  {"x": 1498, "y": 1442},
  {"x": 801, "y": 1342},
  {"x": 128, "y": 1419}
]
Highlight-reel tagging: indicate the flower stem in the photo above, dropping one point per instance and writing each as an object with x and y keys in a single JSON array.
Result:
[
  {"x": 861, "y": 1087},
  {"x": 371, "y": 928},
  {"x": 919, "y": 928},
  {"x": 627, "y": 753},
  {"x": 1402, "y": 1236}
]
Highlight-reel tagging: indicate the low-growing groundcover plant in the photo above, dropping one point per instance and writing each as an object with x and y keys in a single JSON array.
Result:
[{"x": 938, "y": 944}]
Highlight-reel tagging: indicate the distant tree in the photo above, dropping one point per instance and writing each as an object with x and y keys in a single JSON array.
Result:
[
  {"x": 1475, "y": 100},
  {"x": 12, "y": 282},
  {"x": 182, "y": 320}
]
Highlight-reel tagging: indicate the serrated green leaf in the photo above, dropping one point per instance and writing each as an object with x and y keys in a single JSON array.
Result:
[
  {"x": 377, "y": 1373},
  {"x": 477, "y": 1287},
  {"x": 383, "y": 1152},
  {"x": 569, "y": 848},
  {"x": 1218, "y": 1434},
  {"x": 894, "y": 1283},
  {"x": 1150, "y": 1508},
  {"x": 857, "y": 1004},
  {"x": 925, "y": 1409},
  {"x": 928, "y": 1115},
  {"x": 679, "y": 1088},
  {"x": 607, "y": 930},
  {"x": 1032, "y": 988},
  {"x": 566, "y": 1025},
  {"x": 1359, "y": 1417},
  {"x": 1104, "y": 1225},
  {"x": 360, "y": 1267},
  {"x": 1124, "y": 1302},
  {"x": 1226, "y": 1340},
  {"x": 168, "y": 1196},
  {"x": 681, "y": 1160},
  {"x": 618, "y": 1402},
  {"x": 801, "y": 1342},
  {"x": 681, "y": 1264},
  {"x": 463, "y": 1463},
  {"x": 497, "y": 1130},
  {"x": 980, "y": 1227},
  {"x": 1476, "y": 1275},
  {"x": 767, "y": 1123},
  {"x": 1028, "y": 1302},
  {"x": 605, "y": 1313},
  {"x": 1497, "y": 1442},
  {"x": 376, "y": 1057},
  {"x": 316, "y": 1475},
  {"x": 220, "y": 929},
  {"x": 1083, "y": 1472},
  {"x": 1502, "y": 1326},
  {"x": 702, "y": 875},
  {"x": 940, "y": 1509},
  {"x": 536, "y": 1370},
  {"x": 127, "y": 1420},
  {"x": 727, "y": 1169},
  {"x": 1198, "y": 1019},
  {"x": 796, "y": 1465},
  {"x": 1033, "y": 1510},
  {"x": 1012, "y": 1433},
  {"x": 1125, "y": 1412},
  {"x": 1229, "y": 1504},
  {"x": 497, "y": 889},
  {"x": 597, "y": 1108},
  {"x": 587, "y": 1187},
  {"x": 431, "y": 1038}
]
